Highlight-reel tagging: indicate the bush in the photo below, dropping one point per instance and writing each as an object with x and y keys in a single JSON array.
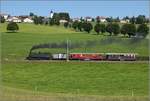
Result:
[{"x": 12, "y": 26}]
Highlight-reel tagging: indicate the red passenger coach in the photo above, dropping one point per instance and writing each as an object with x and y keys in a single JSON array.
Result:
[{"x": 86, "y": 56}]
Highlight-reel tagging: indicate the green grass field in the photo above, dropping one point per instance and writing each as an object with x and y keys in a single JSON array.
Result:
[
  {"x": 73, "y": 78},
  {"x": 16, "y": 46}
]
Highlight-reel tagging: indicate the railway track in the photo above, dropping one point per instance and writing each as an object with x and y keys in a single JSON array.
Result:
[{"x": 70, "y": 61}]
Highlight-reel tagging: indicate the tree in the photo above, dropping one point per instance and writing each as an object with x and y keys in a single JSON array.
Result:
[
  {"x": 147, "y": 20},
  {"x": 133, "y": 20},
  {"x": 75, "y": 25},
  {"x": 2, "y": 20},
  {"x": 12, "y": 26},
  {"x": 64, "y": 16},
  {"x": 140, "y": 19},
  {"x": 117, "y": 19},
  {"x": 56, "y": 18},
  {"x": 80, "y": 26},
  {"x": 124, "y": 29},
  {"x": 100, "y": 28},
  {"x": 97, "y": 28},
  {"x": 109, "y": 28},
  {"x": 109, "y": 19},
  {"x": 126, "y": 18},
  {"x": 46, "y": 22},
  {"x": 115, "y": 28},
  {"x": 66, "y": 24},
  {"x": 129, "y": 29},
  {"x": 40, "y": 20},
  {"x": 31, "y": 14},
  {"x": 35, "y": 19},
  {"x": 143, "y": 30},
  {"x": 87, "y": 27},
  {"x": 51, "y": 22},
  {"x": 98, "y": 19},
  {"x": 93, "y": 19},
  {"x": 103, "y": 28}
]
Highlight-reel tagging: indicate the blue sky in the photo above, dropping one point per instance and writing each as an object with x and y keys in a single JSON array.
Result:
[{"x": 77, "y": 8}]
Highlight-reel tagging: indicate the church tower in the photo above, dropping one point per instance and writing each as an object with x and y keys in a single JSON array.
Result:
[{"x": 51, "y": 14}]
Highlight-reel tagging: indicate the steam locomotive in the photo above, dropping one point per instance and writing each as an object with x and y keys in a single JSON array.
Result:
[{"x": 84, "y": 56}]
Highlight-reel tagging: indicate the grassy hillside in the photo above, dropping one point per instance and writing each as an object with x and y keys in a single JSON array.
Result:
[{"x": 15, "y": 46}]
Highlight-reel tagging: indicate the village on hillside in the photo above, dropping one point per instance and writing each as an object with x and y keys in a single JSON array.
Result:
[{"x": 29, "y": 18}]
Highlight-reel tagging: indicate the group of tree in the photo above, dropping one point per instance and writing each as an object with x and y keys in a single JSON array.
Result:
[
  {"x": 113, "y": 28},
  {"x": 38, "y": 19},
  {"x": 82, "y": 26},
  {"x": 111, "y": 19},
  {"x": 141, "y": 19},
  {"x": 126, "y": 29},
  {"x": 51, "y": 21},
  {"x": 59, "y": 16}
]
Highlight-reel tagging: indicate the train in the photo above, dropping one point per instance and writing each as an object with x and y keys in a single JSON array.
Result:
[{"x": 84, "y": 56}]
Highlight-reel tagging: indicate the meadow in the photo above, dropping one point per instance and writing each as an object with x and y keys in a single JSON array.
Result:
[
  {"x": 76, "y": 81},
  {"x": 16, "y": 46}
]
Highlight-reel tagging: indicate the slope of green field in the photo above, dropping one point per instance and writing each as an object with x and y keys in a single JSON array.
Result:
[{"x": 16, "y": 46}]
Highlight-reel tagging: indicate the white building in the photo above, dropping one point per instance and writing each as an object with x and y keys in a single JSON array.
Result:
[
  {"x": 4, "y": 15},
  {"x": 28, "y": 20},
  {"x": 63, "y": 21},
  {"x": 101, "y": 18},
  {"x": 76, "y": 19},
  {"x": 124, "y": 21},
  {"x": 14, "y": 19},
  {"x": 89, "y": 19}
]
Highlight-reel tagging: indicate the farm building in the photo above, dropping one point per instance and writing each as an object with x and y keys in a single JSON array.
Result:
[{"x": 28, "y": 20}]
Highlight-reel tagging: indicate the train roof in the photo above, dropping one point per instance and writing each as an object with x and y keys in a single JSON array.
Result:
[
  {"x": 120, "y": 53},
  {"x": 107, "y": 53},
  {"x": 86, "y": 53}
]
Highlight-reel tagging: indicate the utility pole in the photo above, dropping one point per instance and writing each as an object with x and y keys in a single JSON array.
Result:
[{"x": 67, "y": 51}]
